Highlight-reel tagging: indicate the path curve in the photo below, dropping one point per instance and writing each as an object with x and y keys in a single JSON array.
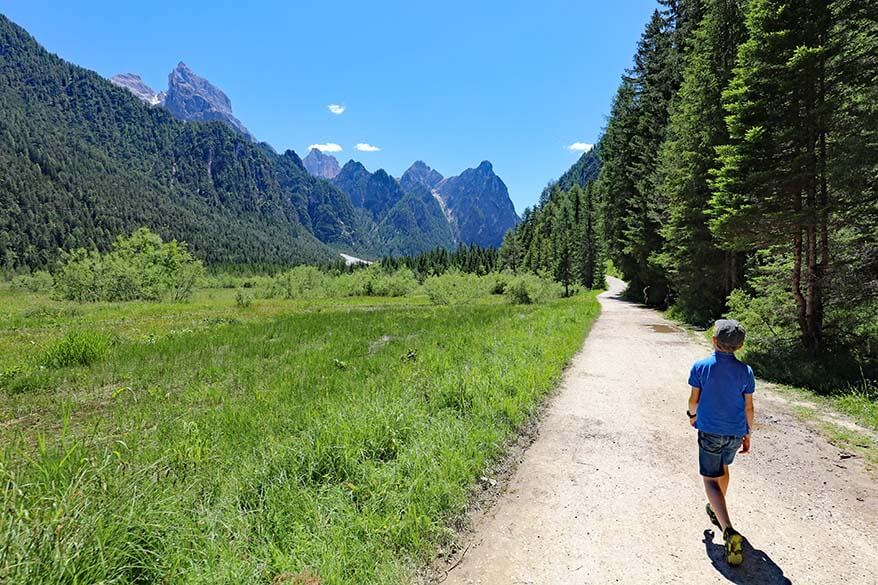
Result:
[{"x": 609, "y": 492}]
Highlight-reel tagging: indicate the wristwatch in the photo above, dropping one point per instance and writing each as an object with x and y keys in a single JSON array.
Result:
[{"x": 689, "y": 414}]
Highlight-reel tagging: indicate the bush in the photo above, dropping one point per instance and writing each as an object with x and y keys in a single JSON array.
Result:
[
  {"x": 299, "y": 282},
  {"x": 77, "y": 348},
  {"x": 526, "y": 289},
  {"x": 140, "y": 267},
  {"x": 498, "y": 281},
  {"x": 455, "y": 287},
  {"x": 396, "y": 284},
  {"x": 310, "y": 282},
  {"x": 243, "y": 298},
  {"x": 40, "y": 281}
]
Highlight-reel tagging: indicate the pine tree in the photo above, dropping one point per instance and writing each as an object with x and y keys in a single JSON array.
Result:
[
  {"x": 853, "y": 164},
  {"x": 590, "y": 265},
  {"x": 615, "y": 184},
  {"x": 701, "y": 274},
  {"x": 771, "y": 188}
]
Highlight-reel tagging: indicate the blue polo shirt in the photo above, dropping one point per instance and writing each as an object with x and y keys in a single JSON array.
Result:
[{"x": 723, "y": 381}]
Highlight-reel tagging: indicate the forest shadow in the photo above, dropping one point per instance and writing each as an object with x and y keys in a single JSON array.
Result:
[{"x": 758, "y": 568}]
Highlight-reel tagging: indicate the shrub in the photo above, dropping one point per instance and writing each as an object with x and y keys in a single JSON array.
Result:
[
  {"x": 498, "y": 281},
  {"x": 526, "y": 289},
  {"x": 310, "y": 282},
  {"x": 40, "y": 281},
  {"x": 454, "y": 288},
  {"x": 299, "y": 282},
  {"x": 396, "y": 284},
  {"x": 243, "y": 298},
  {"x": 140, "y": 267},
  {"x": 77, "y": 348}
]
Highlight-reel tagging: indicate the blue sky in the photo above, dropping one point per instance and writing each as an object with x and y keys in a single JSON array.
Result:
[{"x": 452, "y": 83}]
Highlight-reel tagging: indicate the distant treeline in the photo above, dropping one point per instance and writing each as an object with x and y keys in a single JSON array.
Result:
[
  {"x": 738, "y": 175},
  {"x": 472, "y": 259}
]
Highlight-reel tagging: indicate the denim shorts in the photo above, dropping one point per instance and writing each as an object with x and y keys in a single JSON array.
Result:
[{"x": 715, "y": 452}]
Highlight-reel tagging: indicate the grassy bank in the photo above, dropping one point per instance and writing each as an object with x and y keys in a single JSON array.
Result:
[{"x": 209, "y": 443}]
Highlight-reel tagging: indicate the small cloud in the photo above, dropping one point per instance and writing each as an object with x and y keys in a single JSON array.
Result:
[
  {"x": 365, "y": 147},
  {"x": 580, "y": 147},
  {"x": 328, "y": 147},
  {"x": 336, "y": 109}
]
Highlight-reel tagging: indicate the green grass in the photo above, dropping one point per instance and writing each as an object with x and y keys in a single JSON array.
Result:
[{"x": 207, "y": 443}]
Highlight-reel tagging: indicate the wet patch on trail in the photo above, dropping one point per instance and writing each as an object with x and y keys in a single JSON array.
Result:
[{"x": 662, "y": 328}]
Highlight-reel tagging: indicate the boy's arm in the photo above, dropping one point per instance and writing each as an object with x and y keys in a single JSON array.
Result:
[
  {"x": 694, "y": 398},
  {"x": 750, "y": 412}
]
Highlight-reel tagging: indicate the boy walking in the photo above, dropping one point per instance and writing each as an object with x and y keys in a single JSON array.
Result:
[{"x": 721, "y": 408}]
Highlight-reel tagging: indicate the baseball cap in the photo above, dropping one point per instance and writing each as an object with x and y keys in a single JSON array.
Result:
[{"x": 729, "y": 332}]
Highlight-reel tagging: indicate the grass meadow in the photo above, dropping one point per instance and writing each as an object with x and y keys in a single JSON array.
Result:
[{"x": 208, "y": 442}]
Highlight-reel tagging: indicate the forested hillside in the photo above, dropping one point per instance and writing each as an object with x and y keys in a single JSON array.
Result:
[
  {"x": 738, "y": 177},
  {"x": 85, "y": 161}
]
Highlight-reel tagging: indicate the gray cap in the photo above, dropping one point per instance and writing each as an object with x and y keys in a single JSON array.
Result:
[{"x": 729, "y": 332}]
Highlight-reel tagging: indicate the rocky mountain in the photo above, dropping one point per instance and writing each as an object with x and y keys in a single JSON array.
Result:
[
  {"x": 420, "y": 173},
  {"x": 133, "y": 83},
  {"x": 85, "y": 161},
  {"x": 321, "y": 165},
  {"x": 188, "y": 97},
  {"x": 476, "y": 202},
  {"x": 405, "y": 222}
]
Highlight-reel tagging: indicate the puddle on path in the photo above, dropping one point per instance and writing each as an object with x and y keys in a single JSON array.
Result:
[{"x": 662, "y": 328}]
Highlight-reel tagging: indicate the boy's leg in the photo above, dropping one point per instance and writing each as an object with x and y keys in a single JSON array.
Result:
[
  {"x": 715, "y": 495},
  {"x": 724, "y": 480}
]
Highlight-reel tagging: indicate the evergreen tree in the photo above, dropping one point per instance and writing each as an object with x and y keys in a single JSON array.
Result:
[
  {"x": 562, "y": 257},
  {"x": 591, "y": 273},
  {"x": 615, "y": 184},
  {"x": 701, "y": 274},
  {"x": 853, "y": 168},
  {"x": 772, "y": 182}
]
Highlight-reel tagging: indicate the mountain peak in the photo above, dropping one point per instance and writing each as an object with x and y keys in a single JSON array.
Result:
[
  {"x": 421, "y": 173},
  {"x": 190, "y": 97},
  {"x": 353, "y": 166},
  {"x": 479, "y": 202},
  {"x": 321, "y": 165}
]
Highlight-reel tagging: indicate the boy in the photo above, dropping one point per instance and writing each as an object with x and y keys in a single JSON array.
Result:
[{"x": 721, "y": 408}]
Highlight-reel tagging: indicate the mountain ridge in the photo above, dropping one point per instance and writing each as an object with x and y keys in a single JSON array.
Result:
[
  {"x": 188, "y": 97},
  {"x": 321, "y": 165}
]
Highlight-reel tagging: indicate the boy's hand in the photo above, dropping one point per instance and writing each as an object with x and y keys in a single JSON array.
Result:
[
  {"x": 745, "y": 444},
  {"x": 692, "y": 421}
]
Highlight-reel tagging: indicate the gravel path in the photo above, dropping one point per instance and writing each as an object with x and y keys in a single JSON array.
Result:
[{"x": 609, "y": 492}]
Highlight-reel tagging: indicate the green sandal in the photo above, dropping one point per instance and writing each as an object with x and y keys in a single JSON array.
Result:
[{"x": 734, "y": 547}]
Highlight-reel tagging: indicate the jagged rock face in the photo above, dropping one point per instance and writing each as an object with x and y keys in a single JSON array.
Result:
[
  {"x": 375, "y": 192},
  {"x": 353, "y": 179},
  {"x": 405, "y": 221},
  {"x": 321, "y": 165},
  {"x": 190, "y": 97},
  {"x": 479, "y": 204},
  {"x": 419, "y": 172},
  {"x": 133, "y": 83}
]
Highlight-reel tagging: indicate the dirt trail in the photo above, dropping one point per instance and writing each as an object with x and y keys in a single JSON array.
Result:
[{"x": 609, "y": 492}]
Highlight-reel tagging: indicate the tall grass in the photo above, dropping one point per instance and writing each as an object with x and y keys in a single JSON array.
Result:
[{"x": 339, "y": 441}]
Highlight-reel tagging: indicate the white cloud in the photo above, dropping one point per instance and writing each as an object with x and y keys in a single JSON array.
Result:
[
  {"x": 365, "y": 147},
  {"x": 328, "y": 147},
  {"x": 336, "y": 109},
  {"x": 580, "y": 147}
]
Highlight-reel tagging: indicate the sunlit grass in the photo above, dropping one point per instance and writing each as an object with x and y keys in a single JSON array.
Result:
[{"x": 218, "y": 444}]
